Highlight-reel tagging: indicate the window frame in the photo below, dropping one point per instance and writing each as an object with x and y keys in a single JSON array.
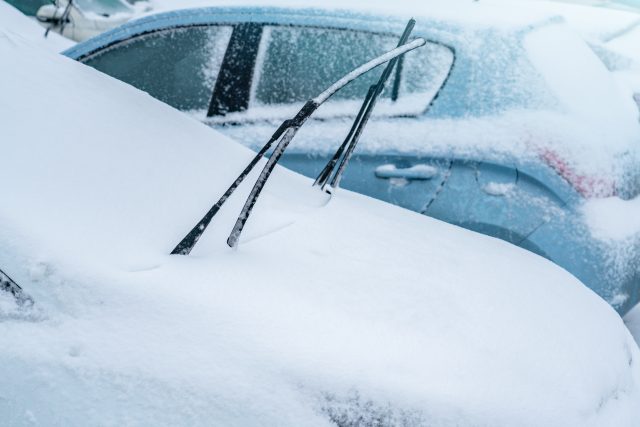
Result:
[{"x": 248, "y": 91}]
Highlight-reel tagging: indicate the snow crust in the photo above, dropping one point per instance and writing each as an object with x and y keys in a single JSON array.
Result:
[{"x": 330, "y": 311}]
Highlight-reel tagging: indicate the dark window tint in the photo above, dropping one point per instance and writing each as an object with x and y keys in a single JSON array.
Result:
[{"x": 178, "y": 66}]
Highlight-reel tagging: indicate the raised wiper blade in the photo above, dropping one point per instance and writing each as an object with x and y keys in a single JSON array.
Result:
[
  {"x": 323, "y": 177},
  {"x": 285, "y": 133},
  {"x": 348, "y": 146}
]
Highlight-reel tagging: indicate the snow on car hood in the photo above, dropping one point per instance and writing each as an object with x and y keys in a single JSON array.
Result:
[{"x": 330, "y": 310}]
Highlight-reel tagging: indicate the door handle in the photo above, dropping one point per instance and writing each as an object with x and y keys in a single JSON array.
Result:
[{"x": 415, "y": 172}]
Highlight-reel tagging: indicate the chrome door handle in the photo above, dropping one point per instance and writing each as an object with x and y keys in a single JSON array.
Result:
[{"x": 417, "y": 172}]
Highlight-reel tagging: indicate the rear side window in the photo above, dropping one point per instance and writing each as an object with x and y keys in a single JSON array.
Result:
[
  {"x": 296, "y": 63},
  {"x": 178, "y": 66}
]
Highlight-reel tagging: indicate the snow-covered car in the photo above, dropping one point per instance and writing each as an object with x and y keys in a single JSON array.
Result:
[
  {"x": 12, "y": 20},
  {"x": 79, "y": 19},
  {"x": 506, "y": 123},
  {"x": 331, "y": 312},
  {"x": 612, "y": 32}
]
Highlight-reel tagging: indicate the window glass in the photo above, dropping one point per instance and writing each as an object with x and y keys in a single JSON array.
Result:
[
  {"x": 295, "y": 64},
  {"x": 178, "y": 66}
]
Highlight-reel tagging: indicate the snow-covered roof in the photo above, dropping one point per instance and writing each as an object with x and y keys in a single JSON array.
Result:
[
  {"x": 461, "y": 12},
  {"x": 329, "y": 309}
]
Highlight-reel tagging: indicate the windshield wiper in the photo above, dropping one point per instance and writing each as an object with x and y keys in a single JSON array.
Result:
[
  {"x": 62, "y": 21},
  {"x": 361, "y": 120},
  {"x": 284, "y": 134}
]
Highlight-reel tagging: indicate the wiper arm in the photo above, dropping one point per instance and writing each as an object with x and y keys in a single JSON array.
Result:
[
  {"x": 361, "y": 120},
  {"x": 62, "y": 21},
  {"x": 7, "y": 284},
  {"x": 285, "y": 133}
]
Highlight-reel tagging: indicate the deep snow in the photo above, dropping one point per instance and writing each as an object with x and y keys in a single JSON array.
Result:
[{"x": 329, "y": 309}]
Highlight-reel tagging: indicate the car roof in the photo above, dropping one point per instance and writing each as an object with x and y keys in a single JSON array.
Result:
[{"x": 355, "y": 19}]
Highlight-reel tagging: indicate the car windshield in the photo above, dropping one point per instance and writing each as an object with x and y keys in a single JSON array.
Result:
[{"x": 103, "y": 7}]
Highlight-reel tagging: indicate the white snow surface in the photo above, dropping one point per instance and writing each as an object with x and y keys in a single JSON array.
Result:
[
  {"x": 340, "y": 308},
  {"x": 613, "y": 218},
  {"x": 467, "y": 12},
  {"x": 594, "y": 23},
  {"x": 14, "y": 21},
  {"x": 632, "y": 320}
]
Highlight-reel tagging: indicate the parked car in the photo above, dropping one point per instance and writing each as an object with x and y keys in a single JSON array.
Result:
[
  {"x": 79, "y": 19},
  {"x": 506, "y": 128},
  {"x": 12, "y": 20},
  {"x": 342, "y": 311}
]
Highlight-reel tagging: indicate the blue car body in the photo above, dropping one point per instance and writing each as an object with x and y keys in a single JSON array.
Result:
[{"x": 528, "y": 200}]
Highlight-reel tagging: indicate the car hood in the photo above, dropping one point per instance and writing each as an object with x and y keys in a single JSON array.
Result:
[{"x": 330, "y": 310}]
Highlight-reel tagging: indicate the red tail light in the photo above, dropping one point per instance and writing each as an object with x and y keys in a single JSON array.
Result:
[{"x": 587, "y": 186}]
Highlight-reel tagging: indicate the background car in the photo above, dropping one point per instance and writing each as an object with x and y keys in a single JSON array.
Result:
[
  {"x": 506, "y": 127},
  {"x": 80, "y": 19},
  {"x": 13, "y": 21},
  {"x": 330, "y": 312}
]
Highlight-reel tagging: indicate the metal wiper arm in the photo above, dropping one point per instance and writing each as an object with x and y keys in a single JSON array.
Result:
[
  {"x": 7, "y": 284},
  {"x": 349, "y": 144},
  {"x": 285, "y": 133},
  {"x": 323, "y": 177}
]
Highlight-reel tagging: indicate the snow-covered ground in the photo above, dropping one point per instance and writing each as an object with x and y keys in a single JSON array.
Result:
[{"x": 332, "y": 312}]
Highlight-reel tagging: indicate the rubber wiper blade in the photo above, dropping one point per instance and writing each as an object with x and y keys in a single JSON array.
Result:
[
  {"x": 322, "y": 178},
  {"x": 348, "y": 146},
  {"x": 284, "y": 134}
]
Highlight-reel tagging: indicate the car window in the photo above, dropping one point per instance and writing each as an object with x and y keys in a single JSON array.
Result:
[
  {"x": 296, "y": 63},
  {"x": 178, "y": 66}
]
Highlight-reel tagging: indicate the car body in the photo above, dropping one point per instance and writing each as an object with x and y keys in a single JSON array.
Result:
[
  {"x": 498, "y": 142},
  {"x": 330, "y": 312}
]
